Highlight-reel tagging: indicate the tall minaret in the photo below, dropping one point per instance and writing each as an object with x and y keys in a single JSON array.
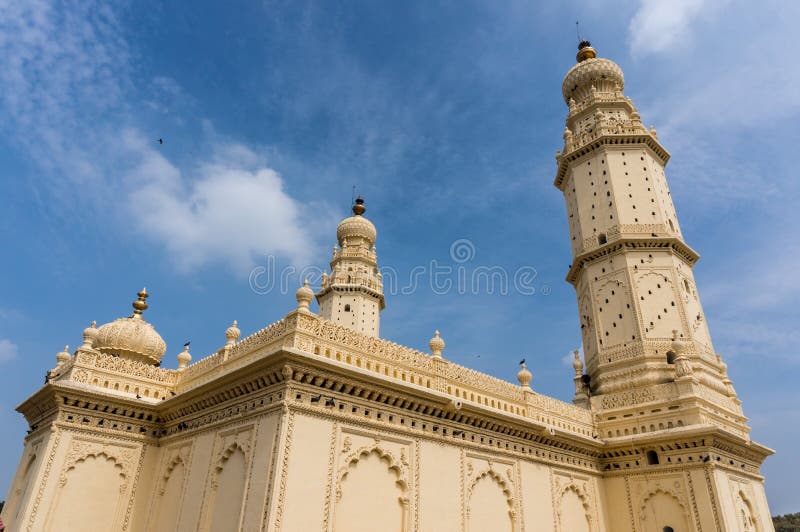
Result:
[
  {"x": 352, "y": 295},
  {"x": 640, "y": 313}
]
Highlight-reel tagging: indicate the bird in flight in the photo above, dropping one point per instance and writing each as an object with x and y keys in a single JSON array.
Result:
[{"x": 161, "y": 141}]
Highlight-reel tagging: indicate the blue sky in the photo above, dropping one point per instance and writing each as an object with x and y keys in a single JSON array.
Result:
[{"x": 445, "y": 115}]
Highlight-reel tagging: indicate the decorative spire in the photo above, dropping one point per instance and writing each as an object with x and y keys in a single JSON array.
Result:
[
  {"x": 358, "y": 207},
  {"x": 232, "y": 333},
  {"x": 63, "y": 357},
  {"x": 437, "y": 345},
  {"x": 577, "y": 365},
  {"x": 524, "y": 376},
  {"x": 140, "y": 305},
  {"x": 184, "y": 357},
  {"x": 585, "y": 51},
  {"x": 89, "y": 335},
  {"x": 304, "y": 296}
]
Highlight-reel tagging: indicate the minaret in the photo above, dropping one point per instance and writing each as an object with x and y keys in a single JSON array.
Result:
[
  {"x": 631, "y": 268},
  {"x": 352, "y": 295}
]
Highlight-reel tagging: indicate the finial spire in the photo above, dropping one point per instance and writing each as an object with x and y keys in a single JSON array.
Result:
[
  {"x": 140, "y": 305},
  {"x": 232, "y": 333},
  {"x": 304, "y": 296},
  {"x": 585, "y": 51},
  {"x": 524, "y": 376},
  {"x": 358, "y": 207},
  {"x": 437, "y": 345}
]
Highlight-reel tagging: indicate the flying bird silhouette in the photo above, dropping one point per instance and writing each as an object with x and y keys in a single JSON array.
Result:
[{"x": 161, "y": 141}]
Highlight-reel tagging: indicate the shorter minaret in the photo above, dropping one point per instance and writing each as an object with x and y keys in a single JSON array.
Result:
[{"x": 352, "y": 295}]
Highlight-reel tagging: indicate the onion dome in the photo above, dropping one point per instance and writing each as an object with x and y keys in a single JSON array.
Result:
[
  {"x": 184, "y": 357},
  {"x": 232, "y": 333},
  {"x": 62, "y": 357},
  {"x": 524, "y": 376},
  {"x": 590, "y": 73},
  {"x": 304, "y": 296},
  {"x": 437, "y": 345},
  {"x": 356, "y": 226},
  {"x": 89, "y": 335},
  {"x": 132, "y": 338}
]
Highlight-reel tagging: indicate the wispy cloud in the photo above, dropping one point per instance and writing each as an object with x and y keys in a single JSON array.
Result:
[
  {"x": 70, "y": 102},
  {"x": 8, "y": 350},
  {"x": 659, "y": 26}
]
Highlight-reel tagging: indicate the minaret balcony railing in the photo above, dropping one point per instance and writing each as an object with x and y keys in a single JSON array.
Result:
[
  {"x": 355, "y": 253},
  {"x": 608, "y": 127}
]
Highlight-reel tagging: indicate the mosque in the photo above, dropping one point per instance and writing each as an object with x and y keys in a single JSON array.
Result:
[{"x": 316, "y": 423}]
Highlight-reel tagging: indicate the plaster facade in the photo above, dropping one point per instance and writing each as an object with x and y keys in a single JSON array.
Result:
[{"x": 315, "y": 423}]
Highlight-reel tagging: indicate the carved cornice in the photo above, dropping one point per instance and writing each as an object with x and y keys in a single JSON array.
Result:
[
  {"x": 643, "y": 138},
  {"x": 674, "y": 244}
]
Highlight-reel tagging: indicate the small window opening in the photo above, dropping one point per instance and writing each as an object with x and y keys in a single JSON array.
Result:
[
  {"x": 601, "y": 239},
  {"x": 347, "y": 308},
  {"x": 652, "y": 458}
]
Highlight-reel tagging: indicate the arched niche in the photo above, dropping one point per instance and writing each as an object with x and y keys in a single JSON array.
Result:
[
  {"x": 574, "y": 511},
  {"x": 371, "y": 493},
  {"x": 748, "y": 520},
  {"x": 91, "y": 495},
  {"x": 662, "y": 509},
  {"x": 228, "y": 483},
  {"x": 169, "y": 495},
  {"x": 490, "y": 504},
  {"x": 17, "y": 498}
]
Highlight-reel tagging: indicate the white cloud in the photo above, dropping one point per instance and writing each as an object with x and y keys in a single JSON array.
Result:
[
  {"x": 233, "y": 209},
  {"x": 8, "y": 350},
  {"x": 658, "y": 25},
  {"x": 69, "y": 102}
]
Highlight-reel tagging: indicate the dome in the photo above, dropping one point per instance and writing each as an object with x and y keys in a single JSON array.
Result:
[
  {"x": 591, "y": 71},
  {"x": 232, "y": 333},
  {"x": 132, "y": 337},
  {"x": 524, "y": 376},
  {"x": 304, "y": 296},
  {"x": 356, "y": 226}
]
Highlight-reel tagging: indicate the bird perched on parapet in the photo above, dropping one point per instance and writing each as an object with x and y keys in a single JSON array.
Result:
[
  {"x": 521, "y": 362},
  {"x": 138, "y": 396},
  {"x": 330, "y": 402},
  {"x": 316, "y": 399},
  {"x": 187, "y": 343}
]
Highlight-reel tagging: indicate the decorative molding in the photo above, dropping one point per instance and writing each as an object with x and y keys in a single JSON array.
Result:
[
  {"x": 284, "y": 470},
  {"x": 43, "y": 484},
  {"x": 326, "y": 513}
]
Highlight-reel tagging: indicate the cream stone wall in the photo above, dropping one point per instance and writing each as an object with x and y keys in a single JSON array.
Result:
[{"x": 341, "y": 476}]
